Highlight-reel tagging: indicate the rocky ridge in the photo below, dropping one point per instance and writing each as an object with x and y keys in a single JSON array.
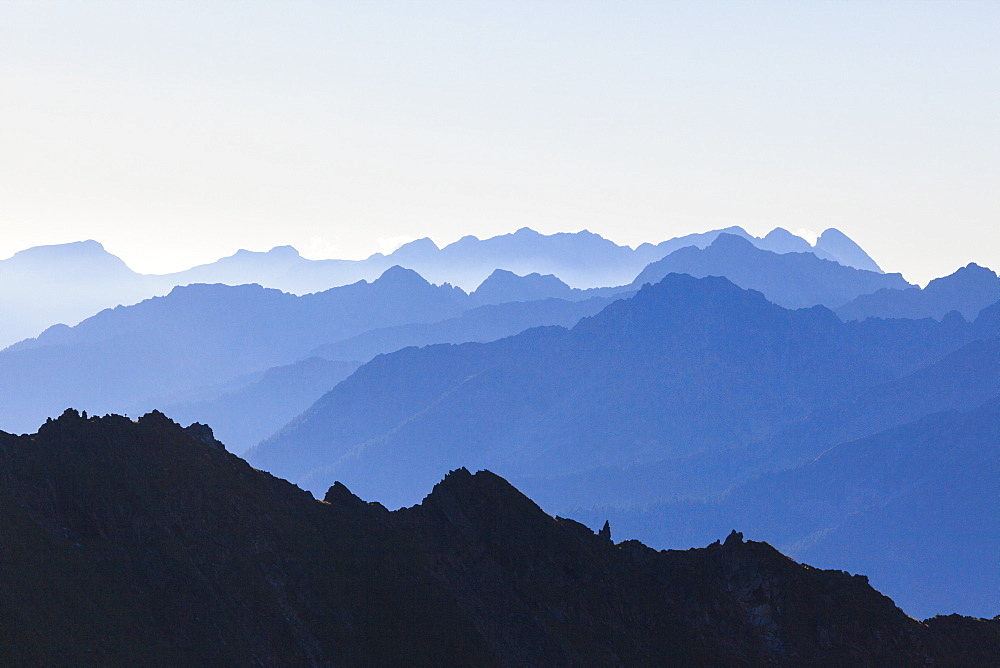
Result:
[{"x": 145, "y": 542}]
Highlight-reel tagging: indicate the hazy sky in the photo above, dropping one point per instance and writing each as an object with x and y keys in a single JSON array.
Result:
[{"x": 177, "y": 132}]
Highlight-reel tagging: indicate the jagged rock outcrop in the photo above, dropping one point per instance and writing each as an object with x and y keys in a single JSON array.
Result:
[{"x": 146, "y": 543}]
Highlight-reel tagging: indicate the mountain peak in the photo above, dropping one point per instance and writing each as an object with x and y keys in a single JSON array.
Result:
[
  {"x": 726, "y": 240},
  {"x": 284, "y": 251},
  {"x": 417, "y": 246},
  {"x": 73, "y": 249},
  {"x": 400, "y": 276},
  {"x": 483, "y": 503},
  {"x": 845, "y": 250},
  {"x": 780, "y": 240},
  {"x": 974, "y": 269},
  {"x": 75, "y": 259},
  {"x": 505, "y": 286},
  {"x": 780, "y": 233}
]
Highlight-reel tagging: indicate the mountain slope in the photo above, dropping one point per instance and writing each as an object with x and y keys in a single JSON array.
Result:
[
  {"x": 841, "y": 248},
  {"x": 684, "y": 367},
  {"x": 141, "y": 542},
  {"x": 481, "y": 324},
  {"x": 968, "y": 291},
  {"x": 910, "y": 506},
  {"x": 65, "y": 283},
  {"x": 199, "y": 335},
  {"x": 793, "y": 280},
  {"x": 248, "y": 414}
]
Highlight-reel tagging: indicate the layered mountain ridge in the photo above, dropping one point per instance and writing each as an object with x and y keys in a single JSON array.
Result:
[
  {"x": 142, "y": 541},
  {"x": 689, "y": 388},
  {"x": 66, "y": 283}
]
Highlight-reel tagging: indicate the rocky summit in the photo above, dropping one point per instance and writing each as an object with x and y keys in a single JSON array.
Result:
[{"x": 145, "y": 543}]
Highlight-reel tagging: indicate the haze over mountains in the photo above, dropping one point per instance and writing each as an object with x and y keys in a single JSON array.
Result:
[
  {"x": 790, "y": 279},
  {"x": 709, "y": 382},
  {"x": 173, "y": 350},
  {"x": 138, "y": 543},
  {"x": 66, "y": 283},
  {"x": 689, "y": 387},
  {"x": 968, "y": 291}
]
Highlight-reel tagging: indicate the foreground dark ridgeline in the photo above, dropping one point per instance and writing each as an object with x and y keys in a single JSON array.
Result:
[{"x": 142, "y": 542}]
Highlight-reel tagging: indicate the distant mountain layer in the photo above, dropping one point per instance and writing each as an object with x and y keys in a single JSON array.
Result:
[
  {"x": 47, "y": 285},
  {"x": 244, "y": 416},
  {"x": 139, "y": 543},
  {"x": 166, "y": 348},
  {"x": 898, "y": 505},
  {"x": 482, "y": 324},
  {"x": 688, "y": 388},
  {"x": 187, "y": 349},
  {"x": 43, "y": 286},
  {"x": 968, "y": 291},
  {"x": 792, "y": 280},
  {"x": 582, "y": 259},
  {"x": 685, "y": 366},
  {"x": 160, "y": 350}
]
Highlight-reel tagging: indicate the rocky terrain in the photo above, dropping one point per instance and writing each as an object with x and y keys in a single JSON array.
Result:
[{"x": 145, "y": 543}]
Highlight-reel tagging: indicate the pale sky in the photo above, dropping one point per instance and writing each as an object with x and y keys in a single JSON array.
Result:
[{"x": 177, "y": 132}]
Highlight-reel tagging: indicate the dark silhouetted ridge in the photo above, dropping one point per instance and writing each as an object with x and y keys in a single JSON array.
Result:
[{"x": 146, "y": 543}]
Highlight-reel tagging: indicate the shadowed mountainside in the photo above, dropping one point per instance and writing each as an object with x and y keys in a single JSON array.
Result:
[{"x": 142, "y": 542}]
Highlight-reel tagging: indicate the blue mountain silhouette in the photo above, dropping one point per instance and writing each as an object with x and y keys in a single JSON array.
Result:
[
  {"x": 684, "y": 367},
  {"x": 66, "y": 283},
  {"x": 199, "y": 335},
  {"x": 968, "y": 291},
  {"x": 793, "y": 279}
]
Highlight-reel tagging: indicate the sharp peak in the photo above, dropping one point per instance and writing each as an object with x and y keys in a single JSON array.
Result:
[
  {"x": 482, "y": 486},
  {"x": 397, "y": 273},
  {"x": 422, "y": 242}
]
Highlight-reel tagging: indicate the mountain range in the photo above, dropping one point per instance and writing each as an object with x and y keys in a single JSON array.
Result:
[
  {"x": 712, "y": 388},
  {"x": 790, "y": 279},
  {"x": 906, "y": 506},
  {"x": 63, "y": 284},
  {"x": 684, "y": 366},
  {"x": 968, "y": 291},
  {"x": 170, "y": 351},
  {"x": 200, "y": 335},
  {"x": 686, "y": 389},
  {"x": 141, "y": 542}
]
